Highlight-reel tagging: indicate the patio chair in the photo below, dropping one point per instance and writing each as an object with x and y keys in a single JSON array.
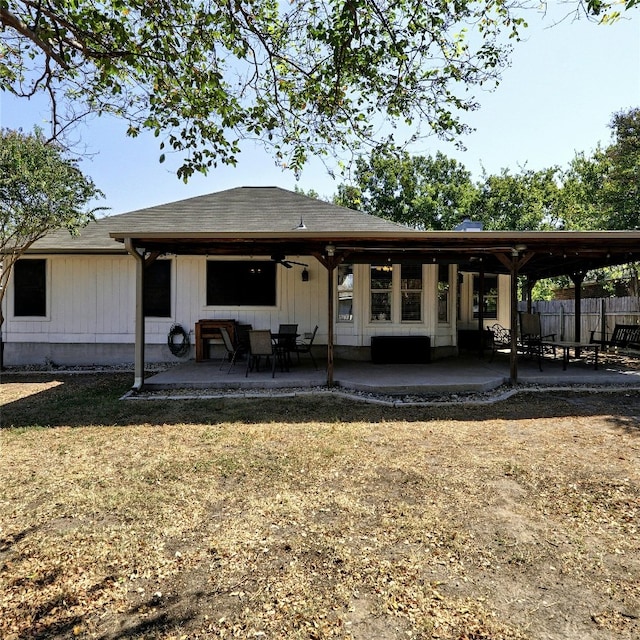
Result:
[
  {"x": 260, "y": 345},
  {"x": 531, "y": 338},
  {"x": 228, "y": 345},
  {"x": 240, "y": 348},
  {"x": 304, "y": 346},
  {"x": 501, "y": 338}
]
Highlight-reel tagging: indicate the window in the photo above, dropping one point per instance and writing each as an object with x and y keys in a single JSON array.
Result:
[
  {"x": 411, "y": 292},
  {"x": 444, "y": 287},
  {"x": 30, "y": 288},
  {"x": 381, "y": 292},
  {"x": 490, "y": 298},
  {"x": 345, "y": 292},
  {"x": 241, "y": 283},
  {"x": 157, "y": 289}
]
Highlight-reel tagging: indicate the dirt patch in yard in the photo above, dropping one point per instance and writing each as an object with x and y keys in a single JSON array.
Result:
[{"x": 316, "y": 517}]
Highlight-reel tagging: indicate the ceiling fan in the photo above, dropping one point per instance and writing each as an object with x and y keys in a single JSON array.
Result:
[{"x": 280, "y": 259}]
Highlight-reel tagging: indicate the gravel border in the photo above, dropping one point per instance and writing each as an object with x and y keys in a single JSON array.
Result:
[{"x": 499, "y": 394}]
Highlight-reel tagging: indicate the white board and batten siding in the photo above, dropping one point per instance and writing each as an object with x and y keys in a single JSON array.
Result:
[{"x": 89, "y": 299}]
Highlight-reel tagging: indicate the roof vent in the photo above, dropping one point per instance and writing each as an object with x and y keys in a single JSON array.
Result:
[
  {"x": 300, "y": 226},
  {"x": 469, "y": 225}
]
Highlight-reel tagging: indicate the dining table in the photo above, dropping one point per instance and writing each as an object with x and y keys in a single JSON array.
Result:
[{"x": 283, "y": 345}]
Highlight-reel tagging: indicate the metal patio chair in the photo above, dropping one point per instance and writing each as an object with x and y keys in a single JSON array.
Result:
[
  {"x": 304, "y": 346},
  {"x": 260, "y": 345}
]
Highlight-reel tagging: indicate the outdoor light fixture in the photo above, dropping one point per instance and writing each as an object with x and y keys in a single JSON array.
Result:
[
  {"x": 331, "y": 250},
  {"x": 300, "y": 226},
  {"x": 305, "y": 275}
]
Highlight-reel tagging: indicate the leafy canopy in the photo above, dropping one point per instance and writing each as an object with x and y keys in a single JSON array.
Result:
[
  {"x": 305, "y": 77},
  {"x": 40, "y": 191},
  {"x": 423, "y": 192},
  {"x": 602, "y": 191},
  {"x": 524, "y": 201}
]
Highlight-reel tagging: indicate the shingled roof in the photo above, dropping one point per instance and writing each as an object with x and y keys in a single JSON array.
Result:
[
  {"x": 241, "y": 210},
  {"x": 263, "y": 221}
]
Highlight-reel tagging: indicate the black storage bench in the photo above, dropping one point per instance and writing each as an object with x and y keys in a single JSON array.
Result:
[{"x": 401, "y": 349}]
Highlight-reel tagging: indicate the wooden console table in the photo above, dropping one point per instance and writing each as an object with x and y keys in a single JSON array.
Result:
[{"x": 208, "y": 329}]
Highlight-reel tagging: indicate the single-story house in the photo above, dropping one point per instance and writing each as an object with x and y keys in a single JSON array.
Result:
[{"x": 265, "y": 256}]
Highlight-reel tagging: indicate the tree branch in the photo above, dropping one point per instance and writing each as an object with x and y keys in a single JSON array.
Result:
[{"x": 9, "y": 20}]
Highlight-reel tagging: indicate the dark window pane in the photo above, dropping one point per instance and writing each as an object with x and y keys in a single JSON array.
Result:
[
  {"x": 411, "y": 276},
  {"x": 157, "y": 289},
  {"x": 30, "y": 288},
  {"x": 345, "y": 292},
  {"x": 241, "y": 283},
  {"x": 443, "y": 293},
  {"x": 381, "y": 276}
]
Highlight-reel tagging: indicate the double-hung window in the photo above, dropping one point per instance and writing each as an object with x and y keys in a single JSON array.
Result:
[
  {"x": 444, "y": 287},
  {"x": 345, "y": 292},
  {"x": 396, "y": 292},
  {"x": 381, "y": 292},
  {"x": 489, "y": 295},
  {"x": 411, "y": 292}
]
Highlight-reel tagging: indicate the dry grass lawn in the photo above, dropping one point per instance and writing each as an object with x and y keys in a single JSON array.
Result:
[{"x": 316, "y": 518}]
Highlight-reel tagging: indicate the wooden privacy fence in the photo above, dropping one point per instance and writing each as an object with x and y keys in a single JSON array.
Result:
[{"x": 558, "y": 316}]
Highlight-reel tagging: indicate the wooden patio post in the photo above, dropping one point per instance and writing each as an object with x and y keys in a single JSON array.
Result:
[
  {"x": 513, "y": 357},
  {"x": 577, "y": 279},
  {"x": 481, "y": 292},
  {"x": 577, "y": 294},
  {"x": 531, "y": 282},
  {"x": 138, "y": 375},
  {"x": 329, "y": 260},
  {"x": 330, "y": 318}
]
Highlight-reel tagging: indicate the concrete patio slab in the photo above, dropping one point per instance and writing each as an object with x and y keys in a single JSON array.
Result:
[{"x": 463, "y": 374}]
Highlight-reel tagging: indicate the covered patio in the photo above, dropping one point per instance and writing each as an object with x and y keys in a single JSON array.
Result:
[
  {"x": 534, "y": 255},
  {"x": 465, "y": 374},
  {"x": 272, "y": 224}
]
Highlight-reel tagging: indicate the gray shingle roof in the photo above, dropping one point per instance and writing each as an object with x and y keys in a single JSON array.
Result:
[{"x": 241, "y": 210}]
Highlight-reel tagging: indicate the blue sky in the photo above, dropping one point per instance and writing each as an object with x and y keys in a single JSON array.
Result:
[{"x": 556, "y": 99}]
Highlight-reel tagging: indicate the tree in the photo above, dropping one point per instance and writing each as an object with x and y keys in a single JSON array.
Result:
[
  {"x": 40, "y": 191},
  {"x": 304, "y": 77},
  {"x": 420, "y": 191},
  {"x": 519, "y": 202},
  {"x": 580, "y": 205},
  {"x": 602, "y": 191},
  {"x": 621, "y": 192}
]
